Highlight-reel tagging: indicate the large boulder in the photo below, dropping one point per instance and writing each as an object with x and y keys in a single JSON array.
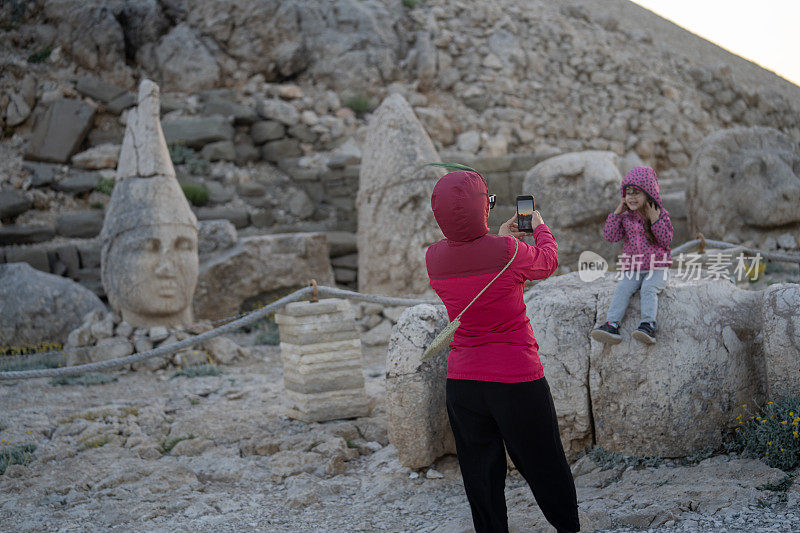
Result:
[
  {"x": 260, "y": 267},
  {"x": 718, "y": 347},
  {"x": 36, "y": 307},
  {"x": 683, "y": 393},
  {"x": 575, "y": 192},
  {"x": 184, "y": 61},
  {"x": 415, "y": 390},
  {"x": 744, "y": 183},
  {"x": 395, "y": 220}
]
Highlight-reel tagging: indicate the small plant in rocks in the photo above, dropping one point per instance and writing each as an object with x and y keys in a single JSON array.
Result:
[
  {"x": 196, "y": 371},
  {"x": 360, "y": 104},
  {"x": 771, "y": 433},
  {"x": 18, "y": 454},
  {"x": 91, "y": 378}
]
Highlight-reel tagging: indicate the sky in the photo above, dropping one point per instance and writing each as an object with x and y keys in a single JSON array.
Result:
[{"x": 765, "y": 32}]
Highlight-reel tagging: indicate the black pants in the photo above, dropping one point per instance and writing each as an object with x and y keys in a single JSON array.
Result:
[{"x": 484, "y": 415}]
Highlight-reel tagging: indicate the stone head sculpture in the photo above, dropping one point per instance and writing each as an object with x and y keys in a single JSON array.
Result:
[
  {"x": 149, "y": 258},
  {"x": 744, "y": 182}
]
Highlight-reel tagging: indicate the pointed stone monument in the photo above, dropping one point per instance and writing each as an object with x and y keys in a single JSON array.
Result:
[
  {"x": 395, "y": 221},
  {"x": 149, "y": 259}
]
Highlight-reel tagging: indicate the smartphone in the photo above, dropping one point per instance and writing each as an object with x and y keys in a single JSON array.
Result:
[{"x": 525, "y": 208}]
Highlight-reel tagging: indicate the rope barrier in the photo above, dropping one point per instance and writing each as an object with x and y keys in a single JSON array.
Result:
[
  {"x": 703, "y": 242},
  {"x": 245, "y": 320}
]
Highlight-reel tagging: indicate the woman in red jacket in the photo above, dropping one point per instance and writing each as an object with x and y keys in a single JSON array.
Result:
[{"x": 496, "y": 391}]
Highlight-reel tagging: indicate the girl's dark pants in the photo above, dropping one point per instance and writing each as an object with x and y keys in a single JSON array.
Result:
[{"x": 484, "y": 415}]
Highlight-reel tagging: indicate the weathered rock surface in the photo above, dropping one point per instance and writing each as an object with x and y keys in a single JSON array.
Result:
[
  {"x": 60, "y": 131},
  {"x": 259, "y": 266},
  {"x": 183, "y": 60},
  {"x": 745, "y": 183},
  {"x": 13, "y": 203},
  {"x": 670, "y": 399},
  {"x": 98, "y": 157},
  {"x": 196, "y": 132},
  {"x": 321, "y": 354},
  {"x": 394, "y": 192},
  {"x": 415, "y": 390},
  {"x": 780, "y": 310},
  {"x": 37, "y": 307}
]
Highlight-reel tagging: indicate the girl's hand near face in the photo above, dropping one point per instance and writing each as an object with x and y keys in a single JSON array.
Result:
[
  {"x": 621, "y": 208},
  {"x": 652, "y": 211}
]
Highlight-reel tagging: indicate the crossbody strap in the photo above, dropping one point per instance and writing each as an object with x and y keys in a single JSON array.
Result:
[{"x": 516, "y": 248}]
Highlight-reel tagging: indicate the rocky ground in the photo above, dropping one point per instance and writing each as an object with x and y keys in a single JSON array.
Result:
[{"x": 216, "y": 453}]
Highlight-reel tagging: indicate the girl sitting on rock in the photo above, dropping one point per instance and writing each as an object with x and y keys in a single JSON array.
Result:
[{"x": 646, "y": 232}]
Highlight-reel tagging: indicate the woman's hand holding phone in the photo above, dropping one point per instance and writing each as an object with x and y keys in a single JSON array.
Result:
[{"x": 510, "y": 227}]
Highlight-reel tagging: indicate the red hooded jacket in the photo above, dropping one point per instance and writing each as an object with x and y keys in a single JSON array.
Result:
[{"x": 495, "y": 341}]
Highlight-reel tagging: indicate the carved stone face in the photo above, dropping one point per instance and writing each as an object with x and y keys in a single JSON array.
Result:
[{"x": 155, "y": 274}]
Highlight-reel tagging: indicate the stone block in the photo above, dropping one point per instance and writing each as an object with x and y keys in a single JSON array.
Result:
[
  {"x": 13, "y": 234},
  {"x": 13, "y": 203},
  {"x": 196, "y": 132},
  {"x": 81, "y": 224},
  {"x": 59, "y": 133},
  {"x": 98, "y": 89},
  {"x": 321, "y": 354}
]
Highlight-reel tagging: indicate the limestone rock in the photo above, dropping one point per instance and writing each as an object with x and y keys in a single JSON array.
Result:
[
  {"x": 60, "y": 131},
  {"x": 277, "y": 110},
  {"x": 18, "y": 110},
  {"x": 781, "y": 334},
  {"x": 321, "y": 355},
  {"x": 196, "y": 132},
  {"x": 184, "y": 61},
  {"x": 149, "y": 239},
  {"x": 215, "y": 236},
  {"x": 13, "y": 203},
  {"x": 98, "y": 157},
  {"x": 395, "y": 192},
  {"x": 259, "y": 265},
  {"x": 37, "y": 307},
  {"x": 415, "y": 390},
  {"x": 80, "y": 224},
  {"x": 593, "y": 180},
  {"x": 718, "y": 347},
  {"x": 742, "y": 182},
  {"x": 99, "y": 89}
]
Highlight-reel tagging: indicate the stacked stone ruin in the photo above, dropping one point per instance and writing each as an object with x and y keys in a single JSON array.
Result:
[{"x": 321, "y": 352}]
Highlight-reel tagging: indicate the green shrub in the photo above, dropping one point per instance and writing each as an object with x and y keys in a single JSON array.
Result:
[
  {"x": 105, "y": 185},
  {"x": 40, "y": 56},
  {"x": 196, "y": 194},
  {"x": 771, "y": 434},
  {"x": 411, "y": 4},
  {"x": 359, "y": 104},
  {"x": 92, "y": 378},
  {"x": 195, "y": 371},
  {"x": 97, "y": 205},
  {"x": 18, "y": 454}
]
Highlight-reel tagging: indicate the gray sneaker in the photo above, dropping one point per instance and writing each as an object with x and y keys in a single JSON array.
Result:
[
  {"x": 646, "y": 333},
  {"x": 608, "y": 333}
]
